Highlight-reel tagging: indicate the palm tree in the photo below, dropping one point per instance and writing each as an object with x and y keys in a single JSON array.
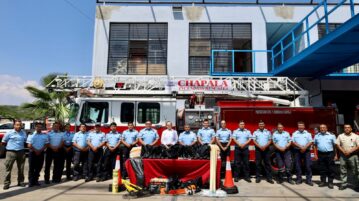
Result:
[{"x": 50, "y": 104}]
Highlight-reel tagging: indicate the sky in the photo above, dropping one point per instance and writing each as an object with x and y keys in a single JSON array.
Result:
[{"x": 38, "y": 37}]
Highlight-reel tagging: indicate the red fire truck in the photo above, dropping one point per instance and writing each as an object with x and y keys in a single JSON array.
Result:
[{"x": 190, "y": 100}]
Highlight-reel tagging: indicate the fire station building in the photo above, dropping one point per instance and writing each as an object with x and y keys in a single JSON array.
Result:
[{"x": 219, "y": 38}]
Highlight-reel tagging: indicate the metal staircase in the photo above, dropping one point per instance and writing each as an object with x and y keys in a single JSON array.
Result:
[
  {"x": 339, "y": 48},
  {"x": 297, "y": 54}
]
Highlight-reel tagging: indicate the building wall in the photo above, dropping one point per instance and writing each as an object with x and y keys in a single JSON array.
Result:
[
  {"x": 316, "y": 87},
  {"x": 178, "y": 27}
]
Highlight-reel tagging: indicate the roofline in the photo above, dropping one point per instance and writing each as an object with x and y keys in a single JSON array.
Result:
[{"x": 311, "y": 3}]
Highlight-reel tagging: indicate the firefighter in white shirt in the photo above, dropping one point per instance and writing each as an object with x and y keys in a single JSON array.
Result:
[{"x": 169, "y": 139}]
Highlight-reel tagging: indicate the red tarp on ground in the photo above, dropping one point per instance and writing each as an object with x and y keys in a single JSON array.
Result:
[{"x": 184, "y": 169}]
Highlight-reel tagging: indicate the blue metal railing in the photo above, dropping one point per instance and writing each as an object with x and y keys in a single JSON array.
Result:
[
  {"x": 291, "y": 39},
  {"x": 280, "y": 52},
  {"x": 213, "y": 68}
]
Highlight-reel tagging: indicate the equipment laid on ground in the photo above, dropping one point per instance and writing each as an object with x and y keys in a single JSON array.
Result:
[
  {"x": 133, "y": 190},
  {"x": 189, "y": 190},
  {"x": 159, "y": 185}
]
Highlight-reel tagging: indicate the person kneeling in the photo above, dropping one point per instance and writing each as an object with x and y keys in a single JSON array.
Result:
[
  {"x": 187, "y": 141},
  {"x": 148, "y": 138},
  {"x": 206, "y": 136},
  {"x": 169, "y": 141}
]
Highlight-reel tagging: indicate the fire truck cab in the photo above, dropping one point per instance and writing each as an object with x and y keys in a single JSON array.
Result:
[{"x": 122, "y": 110}]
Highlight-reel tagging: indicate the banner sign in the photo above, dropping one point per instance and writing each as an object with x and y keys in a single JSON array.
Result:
[{"x": 188, "y": 85}]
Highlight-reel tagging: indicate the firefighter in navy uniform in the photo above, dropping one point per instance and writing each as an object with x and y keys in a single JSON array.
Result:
[
  {"x": 262, "y": 139},
  {"x": 129, "y": 140},
  {"x": 55, "y": 153},
  {"x": 187, "y": 140},
  {"x": 205, "y": 136},
  {"x": 302, "y": 141},
  {"x": 148, "y": 138},
  {"x": 242, "y": 137},
  {"x": 95, "y": 140},
  {"x": 37, "y": 143},
  {"x": 81, "y": 149},
  {"x": 223, "y": 139},
  {"x": 324, "y": 144},
  {"x": 68, "y": 150},
  {"x": 113, "y": 141},
  {"x": 282, "y": 143}
]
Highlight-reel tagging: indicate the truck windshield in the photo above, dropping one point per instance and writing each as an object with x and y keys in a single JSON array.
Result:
[
  {"x": 74, "y": 109},
  {"x": 6, "y": 123},
  {"x": 94, "y": 112},
  {"x": 7, "y": 126}
]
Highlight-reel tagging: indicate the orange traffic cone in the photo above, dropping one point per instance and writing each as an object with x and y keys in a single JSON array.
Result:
[{"x": 228, "y": 185}]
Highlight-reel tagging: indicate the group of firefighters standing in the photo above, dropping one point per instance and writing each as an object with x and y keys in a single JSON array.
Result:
[{"x": 94, "y": 153}]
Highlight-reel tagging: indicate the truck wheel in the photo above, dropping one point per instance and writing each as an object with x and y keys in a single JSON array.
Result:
[
  {"x": 2, "y": 151},
  {"x": 274, "y": 163}
]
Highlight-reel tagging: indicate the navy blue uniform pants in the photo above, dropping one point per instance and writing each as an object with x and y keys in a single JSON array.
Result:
[
  {"x": 35, "y": 165},
  {"x": 109, "y": 162},
  {"x": 58, "y": 158},
  {"x": 95, "y": 163},
  {"x": 80, "y": 158},
  {"x": 299, "y": 159},
  {"x": 284, "y": 162},
  {"x": 326, "y": 166},
  {"x": 223, "y": 154},
  {"x": 263, "y": 157},
  {"x": 241, "y": 161},
  {"x": 68, "y": 160}
]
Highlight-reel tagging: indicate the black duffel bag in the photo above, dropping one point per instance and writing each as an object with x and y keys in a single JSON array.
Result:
[{"x": 202, "y": 151}]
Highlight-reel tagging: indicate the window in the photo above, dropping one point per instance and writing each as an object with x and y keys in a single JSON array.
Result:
[
  {"x": 205, "y": 37},
  {"x": 127, "y": 112},
  {"x": 137, "y": 49},
  {"x": 7, "y": 126},
  {"x": 94, "y": 112},
  {"x": 148, "y": 111},
  {"x": 331, "y": 27}
]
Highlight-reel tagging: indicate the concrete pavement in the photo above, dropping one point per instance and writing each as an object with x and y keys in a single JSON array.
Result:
[{"x": 80, "y": 190}]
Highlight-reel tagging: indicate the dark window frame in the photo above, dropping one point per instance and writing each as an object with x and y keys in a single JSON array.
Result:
[
  {"x": 144, "y": 119},
  {"x": 211, "y": 39},
  {"x": 134, "y": 111},
  {"x": 165, "y": 56},
  {"x": 106, "y": 113}
]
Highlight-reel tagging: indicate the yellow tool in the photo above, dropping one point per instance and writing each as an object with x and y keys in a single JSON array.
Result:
[
  {"x": 133, "y": 190},
  {"x": 131, "y": 187}
]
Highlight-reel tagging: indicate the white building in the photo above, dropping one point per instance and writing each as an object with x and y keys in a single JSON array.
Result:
[{"x": 175, "y": 38}]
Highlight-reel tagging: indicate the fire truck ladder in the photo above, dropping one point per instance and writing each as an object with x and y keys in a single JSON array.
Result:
[{"x": 281, "y": 90}]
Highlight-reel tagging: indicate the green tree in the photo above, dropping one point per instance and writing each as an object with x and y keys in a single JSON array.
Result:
[{"x": 50, "y": 104}]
